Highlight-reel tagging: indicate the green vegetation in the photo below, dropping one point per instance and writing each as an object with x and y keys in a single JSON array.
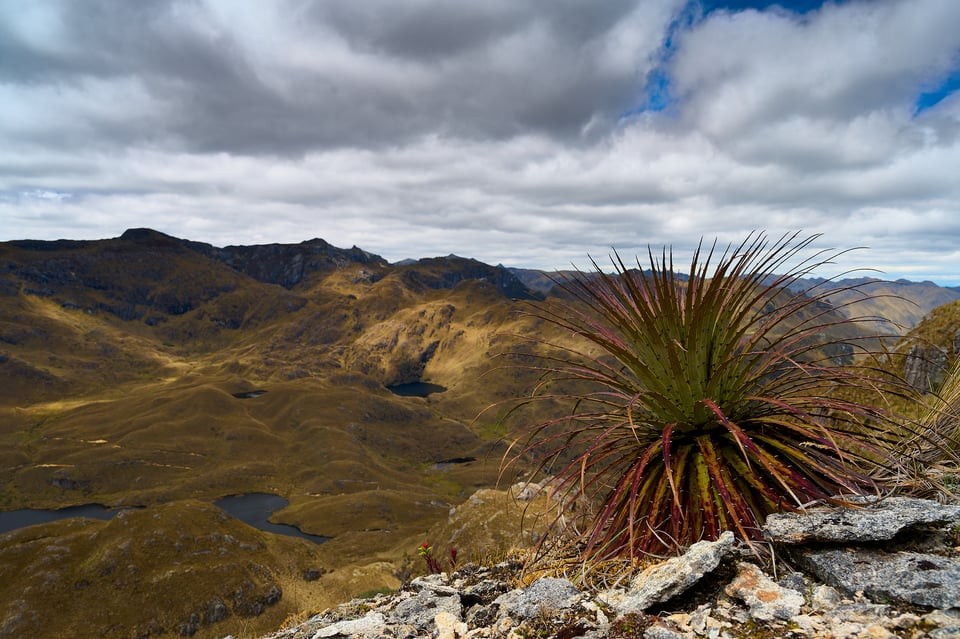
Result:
[
  {"x": 630, "y": 626},
  {"x": 702, "y": 404}
]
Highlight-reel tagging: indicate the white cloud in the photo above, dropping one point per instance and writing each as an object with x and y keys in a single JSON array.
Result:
[{"x": 492, "y": 130}]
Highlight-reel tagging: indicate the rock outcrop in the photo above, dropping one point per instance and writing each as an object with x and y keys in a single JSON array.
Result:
[
  {"x": 925, "y": 367},
  {"x": 888, "y": 550},
  {"x": 877, "y": 520},
  {"x": 908, "y": 588}
]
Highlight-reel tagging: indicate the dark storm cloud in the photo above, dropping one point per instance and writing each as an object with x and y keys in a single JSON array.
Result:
[
  {"x": 381, "y": 72},
  {"x": 422, "y": 31},
  {"x": 430, "y": 31}
]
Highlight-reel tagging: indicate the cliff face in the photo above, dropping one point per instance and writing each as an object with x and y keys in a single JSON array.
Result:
[
  {"x": 925, "y": 367},
  {"x": 930, "y": 351}
]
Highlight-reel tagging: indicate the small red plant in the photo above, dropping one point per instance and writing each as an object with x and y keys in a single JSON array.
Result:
[{"x": 425, "y": 550}]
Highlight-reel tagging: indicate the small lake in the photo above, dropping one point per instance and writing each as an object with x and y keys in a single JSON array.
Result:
[
  {"x": 415, "y": 389},
  {"x": 253, "y": 509},
  {"x": 250, "y": 394},
  {"x": 452, "y": 462},
  {"x": 13, "y": 519}
]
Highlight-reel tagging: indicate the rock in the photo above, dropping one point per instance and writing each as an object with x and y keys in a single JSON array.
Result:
[
  {"x": 483, "y": 592},
  {"x": 925, "y": 368},
  {"x": 947, "y": 624},
  {"x": 875, "y": 521},
  {"x": 660, "y": 631},
  {"x": 433, "y": 583},
  {"x": 216, "y": 611},
  {"x": 765, "y": 599},
  {"x": 913, "y": 578},
  {"x": 824, "y": 598},
  {"x": 527, "y": 490},
  {"x": 793, "y": 581},
  {"x": 482, "y": 602},
  {"x": 312, "y": 574},
  {"x": 942, "y": 618},
  {"x": 420, "y": 611},
  {"x": 449, "y": 626},
  {"x": 663, "y": 581},
  {"x": 547, "y": 593},
  {"x": 371, "y": 625}
]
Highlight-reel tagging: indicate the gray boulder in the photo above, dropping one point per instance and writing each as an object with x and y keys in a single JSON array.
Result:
[
  {"x": 765, "y": 599},
  {"x": 421, "y": 610},
  {"x": 876, "y": 520},
  {"x": 666, "y": 580},
  {"x": 370, "y": 626},
  {"x": 548, "y": 593},
  {"x": 931, "y": 581}
]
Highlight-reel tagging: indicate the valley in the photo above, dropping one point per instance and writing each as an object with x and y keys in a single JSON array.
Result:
[
  {"x": 142, "y": 372},
  {"x": 158, "y": 375}
]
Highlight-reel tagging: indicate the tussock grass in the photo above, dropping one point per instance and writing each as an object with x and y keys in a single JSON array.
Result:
[{"x": 713, "y": 402}]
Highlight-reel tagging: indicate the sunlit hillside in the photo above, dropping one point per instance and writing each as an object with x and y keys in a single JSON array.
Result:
[{"x": 152, "y": 372}]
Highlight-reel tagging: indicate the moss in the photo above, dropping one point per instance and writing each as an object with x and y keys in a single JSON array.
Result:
[{"x": 629, "y": 626}]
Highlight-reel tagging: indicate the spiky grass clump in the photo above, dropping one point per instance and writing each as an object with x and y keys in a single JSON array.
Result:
[
  {"x": 936, "y": 443},
  {"x": 710, "y": 403}
]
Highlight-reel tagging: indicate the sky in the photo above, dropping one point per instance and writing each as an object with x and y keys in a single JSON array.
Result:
[{"x": 528, "y": 133}]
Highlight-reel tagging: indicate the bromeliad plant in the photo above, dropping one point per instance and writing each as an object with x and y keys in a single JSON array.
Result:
[{"x": 709, "y": 400}]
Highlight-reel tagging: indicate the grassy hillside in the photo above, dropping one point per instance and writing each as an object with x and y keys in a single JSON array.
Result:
[
  {"x": 122, "y": 361},
  {"x": 128, "y": 366}
]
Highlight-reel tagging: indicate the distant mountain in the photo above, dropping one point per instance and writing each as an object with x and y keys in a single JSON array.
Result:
[{"x": 901, "y": 303}]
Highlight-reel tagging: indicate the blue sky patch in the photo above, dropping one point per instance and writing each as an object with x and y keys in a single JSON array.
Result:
[
  {"x": 656, "y": 95},
  {"x": 794, "y": 6},
  {"x": 934, "y": 95}
]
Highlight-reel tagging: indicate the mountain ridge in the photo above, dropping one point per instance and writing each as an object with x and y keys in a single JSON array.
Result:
[
  {"x": 152, "y": 371},
  {"x": 128, "y": 365},
  {"x": 288, "y": 264}
]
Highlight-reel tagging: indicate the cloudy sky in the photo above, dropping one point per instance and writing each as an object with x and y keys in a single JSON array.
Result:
[{"x": 524, "y": 132}]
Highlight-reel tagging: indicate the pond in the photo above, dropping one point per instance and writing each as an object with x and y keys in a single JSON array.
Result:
[
  {"x": 250, "y": 394},
  {"x": 415, "y": 389},
  {"x": 453, "y": 461},
  {"x": 13, "y": 519},
  {"x": 254, "y": 509}
]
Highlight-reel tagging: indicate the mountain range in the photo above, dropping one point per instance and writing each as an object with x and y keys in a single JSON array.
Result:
[{"x": 159, "y": 374}]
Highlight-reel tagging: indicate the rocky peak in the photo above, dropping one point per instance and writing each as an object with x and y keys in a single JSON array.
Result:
[
  {"x": 288, "y": 264},
  {"x": 447, "y": 272},
  {"x": 150, "y": 238}
]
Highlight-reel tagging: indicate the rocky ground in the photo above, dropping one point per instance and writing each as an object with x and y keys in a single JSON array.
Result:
[{"x": 888, "y": 568}]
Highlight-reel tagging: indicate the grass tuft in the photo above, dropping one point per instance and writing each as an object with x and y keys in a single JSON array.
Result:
[{"x": 703, "y": 403}]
